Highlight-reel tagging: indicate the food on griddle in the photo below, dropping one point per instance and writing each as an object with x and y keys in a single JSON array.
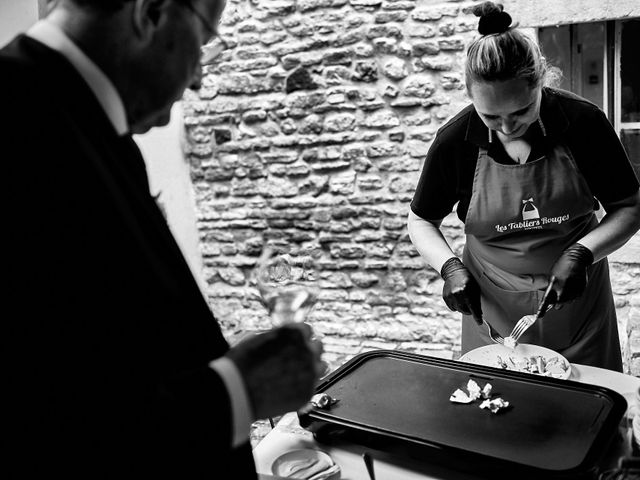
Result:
[
  {"x": 474, "y": 389},
  {"x": 323, "y": 400},
  {"x": 486, "y": 391},
  {"x": 495, "y": 404},
  {"x": 459, "y": 396},
  {"x": 476, "y": 393},
  {"x": 550, "y": 367}
]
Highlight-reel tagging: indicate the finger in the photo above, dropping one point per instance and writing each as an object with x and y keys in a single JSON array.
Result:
[
  {"x": 314, "y": 334},
  {"x": 322, "y": 368},
  {"x": 450, "y": 303},
  {"x": 463, "y": 304},
  {"x": 476, "y": 312},
  {"x": 304, "y": 328},
  {"x": 316, "y": 347}
]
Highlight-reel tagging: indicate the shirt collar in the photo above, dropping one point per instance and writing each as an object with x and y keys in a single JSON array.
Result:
[
  {"x": 53, "y": 37},
  {"x": 553, "y": 117}
]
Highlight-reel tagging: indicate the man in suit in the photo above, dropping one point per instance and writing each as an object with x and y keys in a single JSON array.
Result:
[{"x": 116, "y": 367}]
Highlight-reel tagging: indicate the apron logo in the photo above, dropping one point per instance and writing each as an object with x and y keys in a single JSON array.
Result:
[
  {"x": 531, "y": 219},
  {"x": 529, "y": 211}
]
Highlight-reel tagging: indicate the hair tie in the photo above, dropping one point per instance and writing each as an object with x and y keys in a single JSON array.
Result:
[{"x": 494, "y": 22}]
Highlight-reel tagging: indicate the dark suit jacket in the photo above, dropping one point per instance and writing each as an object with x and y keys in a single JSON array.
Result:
[{"x": 106, "y": 333}]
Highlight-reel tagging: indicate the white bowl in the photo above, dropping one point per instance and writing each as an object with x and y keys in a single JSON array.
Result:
[
  {"x": 305, "y": 463},
  {"x": 488, "y": 355}
]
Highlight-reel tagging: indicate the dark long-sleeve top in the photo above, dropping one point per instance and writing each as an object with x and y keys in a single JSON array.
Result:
[
  {"x": 447, "y": 175},
  {"x": 106, "y": 334}
]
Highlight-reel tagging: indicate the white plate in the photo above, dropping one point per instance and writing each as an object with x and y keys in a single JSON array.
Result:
[
  {"x": 488, "y": 355},
  {"x": 300, "y": 463}
]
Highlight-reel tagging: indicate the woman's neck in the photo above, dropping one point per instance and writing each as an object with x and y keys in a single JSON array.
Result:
[{"x": 518, "y": 149}]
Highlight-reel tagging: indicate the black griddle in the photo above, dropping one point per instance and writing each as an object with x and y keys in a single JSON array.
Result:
[{"x": 398, "y": 403}]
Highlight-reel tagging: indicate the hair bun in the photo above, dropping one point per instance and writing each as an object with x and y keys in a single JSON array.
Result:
[{"x": 492, "y": 18}]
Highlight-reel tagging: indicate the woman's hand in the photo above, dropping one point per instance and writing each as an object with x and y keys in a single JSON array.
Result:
[
  {"x": 570, "y": 274},
  {"x": 461, "y": 292}
]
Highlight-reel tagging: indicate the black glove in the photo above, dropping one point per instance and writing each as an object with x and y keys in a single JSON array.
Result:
[
  {"x": 461, "y": 292},
  {"x": 569, "y": 274}
]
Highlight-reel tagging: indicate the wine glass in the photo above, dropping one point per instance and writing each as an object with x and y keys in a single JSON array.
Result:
[{"x": 288, "y": 284}]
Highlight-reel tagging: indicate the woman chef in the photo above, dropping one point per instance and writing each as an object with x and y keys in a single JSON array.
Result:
[{"x": 528, "y": 166}]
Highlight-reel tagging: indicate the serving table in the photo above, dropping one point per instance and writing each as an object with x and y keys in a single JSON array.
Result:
[{"x": 288, "y": 435}]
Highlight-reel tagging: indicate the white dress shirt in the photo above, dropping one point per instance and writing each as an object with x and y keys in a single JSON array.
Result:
[{"x": 53, "y": 37}]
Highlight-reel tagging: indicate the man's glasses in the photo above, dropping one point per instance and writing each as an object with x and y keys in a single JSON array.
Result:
[{"x": 215, "y": 44}]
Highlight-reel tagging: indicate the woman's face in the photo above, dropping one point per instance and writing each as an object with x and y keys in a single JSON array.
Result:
[{"x": 508, "y": 107}]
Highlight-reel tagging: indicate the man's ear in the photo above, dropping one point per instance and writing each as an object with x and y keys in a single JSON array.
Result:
[{"x": 147, "y": 15}]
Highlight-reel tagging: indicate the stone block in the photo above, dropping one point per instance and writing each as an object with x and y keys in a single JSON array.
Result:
[
  {"x": 447, "y": 29},
  {"x": 329, "y": 167},
  {"x": 406, "y": 102},
  {"x": 338, "y": 57},
  {"x": 419, "y": 86},
  {"x": 365, "y": 3},
  {"x": 232, "y": 275},
  {"x": 438, "y": 63},
  {"x": 306, "y": 5},
  {"x": 383, "y": 119},
  {"x": 395, "y": 69},
  {"x": 348, "y": 251},
  {"x": 423, "y": 31},
  {"x": 339, "y": 122},
  {"x": 399, "y": 4},
  {"x": 370, "y": 182},
  {"x": 300, "y": 79},
  {"x": 449, "y": 44},
  {"x": 386, "y": 31},
  {"x": 382, "y": 149},
  {"x": 451, "y": 81},
  {"x": 365, "y": 236},
  {"x": 385, "y": 45},
  {"x": 426, "y": 14},
  {"x": 366, "y": 71},
  {"x": 349, "y": 38},
  {"x": 278, "y": 7},
  {"x": 375, "y": 264},
  {"x": 364, "y": 222},
  {"x": 271, "y": 37},
  {"x": 394, "y": 223},
  {"x": 425, "y": 47},
  {"x": 386, "y": 17}
]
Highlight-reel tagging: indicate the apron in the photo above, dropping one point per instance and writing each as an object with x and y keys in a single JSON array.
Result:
[{"x": 520, "y": 219}]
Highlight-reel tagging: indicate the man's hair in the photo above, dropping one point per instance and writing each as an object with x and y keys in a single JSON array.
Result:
[
  {"x": 115, "y": 5},
  {"x": 102, "y": 5}
]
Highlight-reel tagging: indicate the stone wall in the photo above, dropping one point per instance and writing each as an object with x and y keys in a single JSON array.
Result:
[{"x": 312, "y": 130}]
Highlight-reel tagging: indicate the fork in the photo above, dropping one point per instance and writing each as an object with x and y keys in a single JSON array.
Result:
[
  {"x": 525, "y": 322},
  {"x": 495, "y": 336}
]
